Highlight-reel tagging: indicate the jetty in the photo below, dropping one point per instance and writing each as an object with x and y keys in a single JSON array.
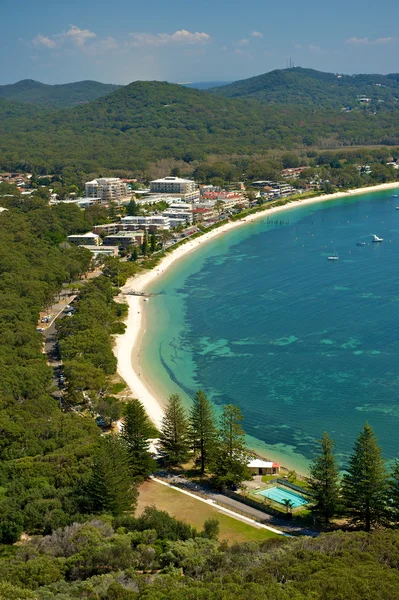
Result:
[{"x": 143, "y": 294}]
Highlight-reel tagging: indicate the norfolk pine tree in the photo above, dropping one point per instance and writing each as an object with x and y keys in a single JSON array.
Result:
[
  {"x": 110, "y": 487},
  {"x": 174, "y": 439},
  {"x": 136, "y": 432},
  {"x": 393, "y": 493},
  {"x": 231, "y": 456},
  {"x": 324, "y": 480},
  {"x": 202, "y": 430},
  {"x": 365, "y": 483}
]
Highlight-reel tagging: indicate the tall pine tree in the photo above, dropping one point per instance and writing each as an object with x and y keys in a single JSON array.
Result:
[
  {"x": 202, "y": 430},
  {"x": 393, "y": 493},
  {"x": 110, "y": 488},
  {"x": 231, "y": 457},
  {"x": 174, "y": 439},
  {"x": 365, "y": 483},
  {"x": 136, "y": 432},
  {"x": 324, "y": 480}
]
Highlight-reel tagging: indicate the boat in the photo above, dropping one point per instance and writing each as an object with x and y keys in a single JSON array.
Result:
[
  {"x": 395, "y": 195},
  {"x": 397, "y": 208},
  {"x": 361, "y": 244},
  {"x": 376, "y": 238},
  {"x": 333, "y": 256}
]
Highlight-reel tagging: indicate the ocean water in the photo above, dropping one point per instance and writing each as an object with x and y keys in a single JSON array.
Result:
[{"x": 260, "y": 318}]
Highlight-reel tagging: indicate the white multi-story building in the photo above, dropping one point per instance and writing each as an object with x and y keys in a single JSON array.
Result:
[
  {"x": 182, "y": 188},
  {"x": 109, "y": 189},
  {"x": 152, "y": 222},
  {"x": 84, "y": 239}
]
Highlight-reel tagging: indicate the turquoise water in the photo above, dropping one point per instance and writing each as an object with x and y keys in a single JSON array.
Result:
[
  {"x": 278, "y": 494},
  {"x": 260, "y": 318}
]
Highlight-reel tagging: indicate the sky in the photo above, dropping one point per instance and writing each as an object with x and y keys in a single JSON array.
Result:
[{"x": 191, "y": 41}]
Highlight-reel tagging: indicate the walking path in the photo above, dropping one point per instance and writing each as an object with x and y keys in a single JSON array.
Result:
[
  {"x": 240, "y": 510},
  {"x": 227, "y": 511}
]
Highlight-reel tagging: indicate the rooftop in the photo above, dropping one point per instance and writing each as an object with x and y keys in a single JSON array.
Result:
[
  {"x": 257, "y": 463},
  {"x": 172, "y": 180}
]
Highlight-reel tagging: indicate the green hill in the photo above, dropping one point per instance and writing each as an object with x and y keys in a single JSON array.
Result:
[
  {"x": 307, "y": 87},
  {"x": 139, "y": 124},
  {"x": 56, "y": 96}
]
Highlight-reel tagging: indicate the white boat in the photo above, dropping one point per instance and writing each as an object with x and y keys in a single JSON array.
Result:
[
  {"x": 395, "y": 195},
  {"x": 376, "y": 238},
  {"x": 397, "y": 208},
  {"x": 333, "y": 256}
]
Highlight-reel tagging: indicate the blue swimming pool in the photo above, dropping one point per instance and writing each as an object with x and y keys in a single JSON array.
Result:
[{"x": 279, "y": 494}]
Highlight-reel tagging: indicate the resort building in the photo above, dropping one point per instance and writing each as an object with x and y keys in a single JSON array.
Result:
[
  {"x": 186, "y": 216},
  {"x": 102, "y": 250},
  {"x": 183, "y": 188},
  {"x": 125, "y": 238},
  {"x": 263, "y": 467},
  {"x": 152, "y": 222},
  {"x": 109, "y": 189},
  {"x": 84, "y": 239}
]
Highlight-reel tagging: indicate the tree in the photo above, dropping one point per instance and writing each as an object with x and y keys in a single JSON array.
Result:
[
  {"x": 144, "y": 245},
  {"x": 202, "y": 430},
  {"x": 136, "y": 432},
  {"x": 219, "y": 206},
  {"x": 324, "y": 480},
  {"x": 393, "y": 492},
  {"x": 110, "y": 408},
  {"x": 153, "y": 242},
  {"x": 110, "y": 487},
  {"x": 174, "y": 438},
  {"x": 231, "y": 456},
  {"x": 135, "y": 253},
  {"x": 365, "y": 483},
  {"x": 132, "y": 209}
]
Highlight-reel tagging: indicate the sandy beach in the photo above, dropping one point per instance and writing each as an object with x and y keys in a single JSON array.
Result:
[{"x": 127, "y": 346}]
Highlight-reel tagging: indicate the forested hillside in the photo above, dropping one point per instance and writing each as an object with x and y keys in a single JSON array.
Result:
[
  {"x": 307, "y": 87},
  {"x": 147, "y": 121},
  {"x": 156, "y": 557},
  {"x": 56, "y": 96}
]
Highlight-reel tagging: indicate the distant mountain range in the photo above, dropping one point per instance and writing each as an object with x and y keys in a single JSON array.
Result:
[{"x": 56, "y": 96}]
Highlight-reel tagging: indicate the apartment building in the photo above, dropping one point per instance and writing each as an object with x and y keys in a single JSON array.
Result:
[
  {"x": 84, "y": 239},
  {"x": 125, "y": 238},
  {"x": 182, "y": 188},
  {"x": 151, "y": 222},
  {"x": 109, "y": 189}
]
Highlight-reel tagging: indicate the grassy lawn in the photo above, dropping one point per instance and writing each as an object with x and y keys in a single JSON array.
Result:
[{"x": 195, "y": 512}]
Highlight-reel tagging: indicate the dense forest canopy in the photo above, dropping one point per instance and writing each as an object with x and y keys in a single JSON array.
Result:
[
  {"x": 145, "y": 122},
  {"x": 307, "y": 87}
]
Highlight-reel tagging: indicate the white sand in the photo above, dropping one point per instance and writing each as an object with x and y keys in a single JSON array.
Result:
[{"x": 127, "y": 345}]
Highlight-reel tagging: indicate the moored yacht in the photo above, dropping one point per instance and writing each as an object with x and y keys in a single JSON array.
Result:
[{"x": 376, "y": 238}]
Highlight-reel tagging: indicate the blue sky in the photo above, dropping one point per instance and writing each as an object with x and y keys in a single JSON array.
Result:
[{"x": 183, "y": 40}]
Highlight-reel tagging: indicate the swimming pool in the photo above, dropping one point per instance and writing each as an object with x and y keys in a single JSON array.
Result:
[{"x": 279, "y": 494}]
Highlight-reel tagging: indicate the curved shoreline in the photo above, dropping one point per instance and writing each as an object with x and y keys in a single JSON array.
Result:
[{"x": 127, "y": 346}]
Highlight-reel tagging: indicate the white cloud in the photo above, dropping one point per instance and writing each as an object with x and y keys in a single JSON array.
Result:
[
  {"x": 257, "y": 34},
  {"x": 160, "y": 39},
  {"x": 42, "y": 40},
  {"x": 243, "y": 42},
  {"x": 78, "y": 36},
  {"x": 367, "y": 42},
  {"x": 74, "y": 34}
]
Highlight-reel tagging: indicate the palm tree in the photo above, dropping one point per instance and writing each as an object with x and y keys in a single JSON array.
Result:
[{"x": 289, "y": 505}]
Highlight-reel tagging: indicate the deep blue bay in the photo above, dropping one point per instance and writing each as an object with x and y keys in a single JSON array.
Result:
[{"x": 260, "y": 318}]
